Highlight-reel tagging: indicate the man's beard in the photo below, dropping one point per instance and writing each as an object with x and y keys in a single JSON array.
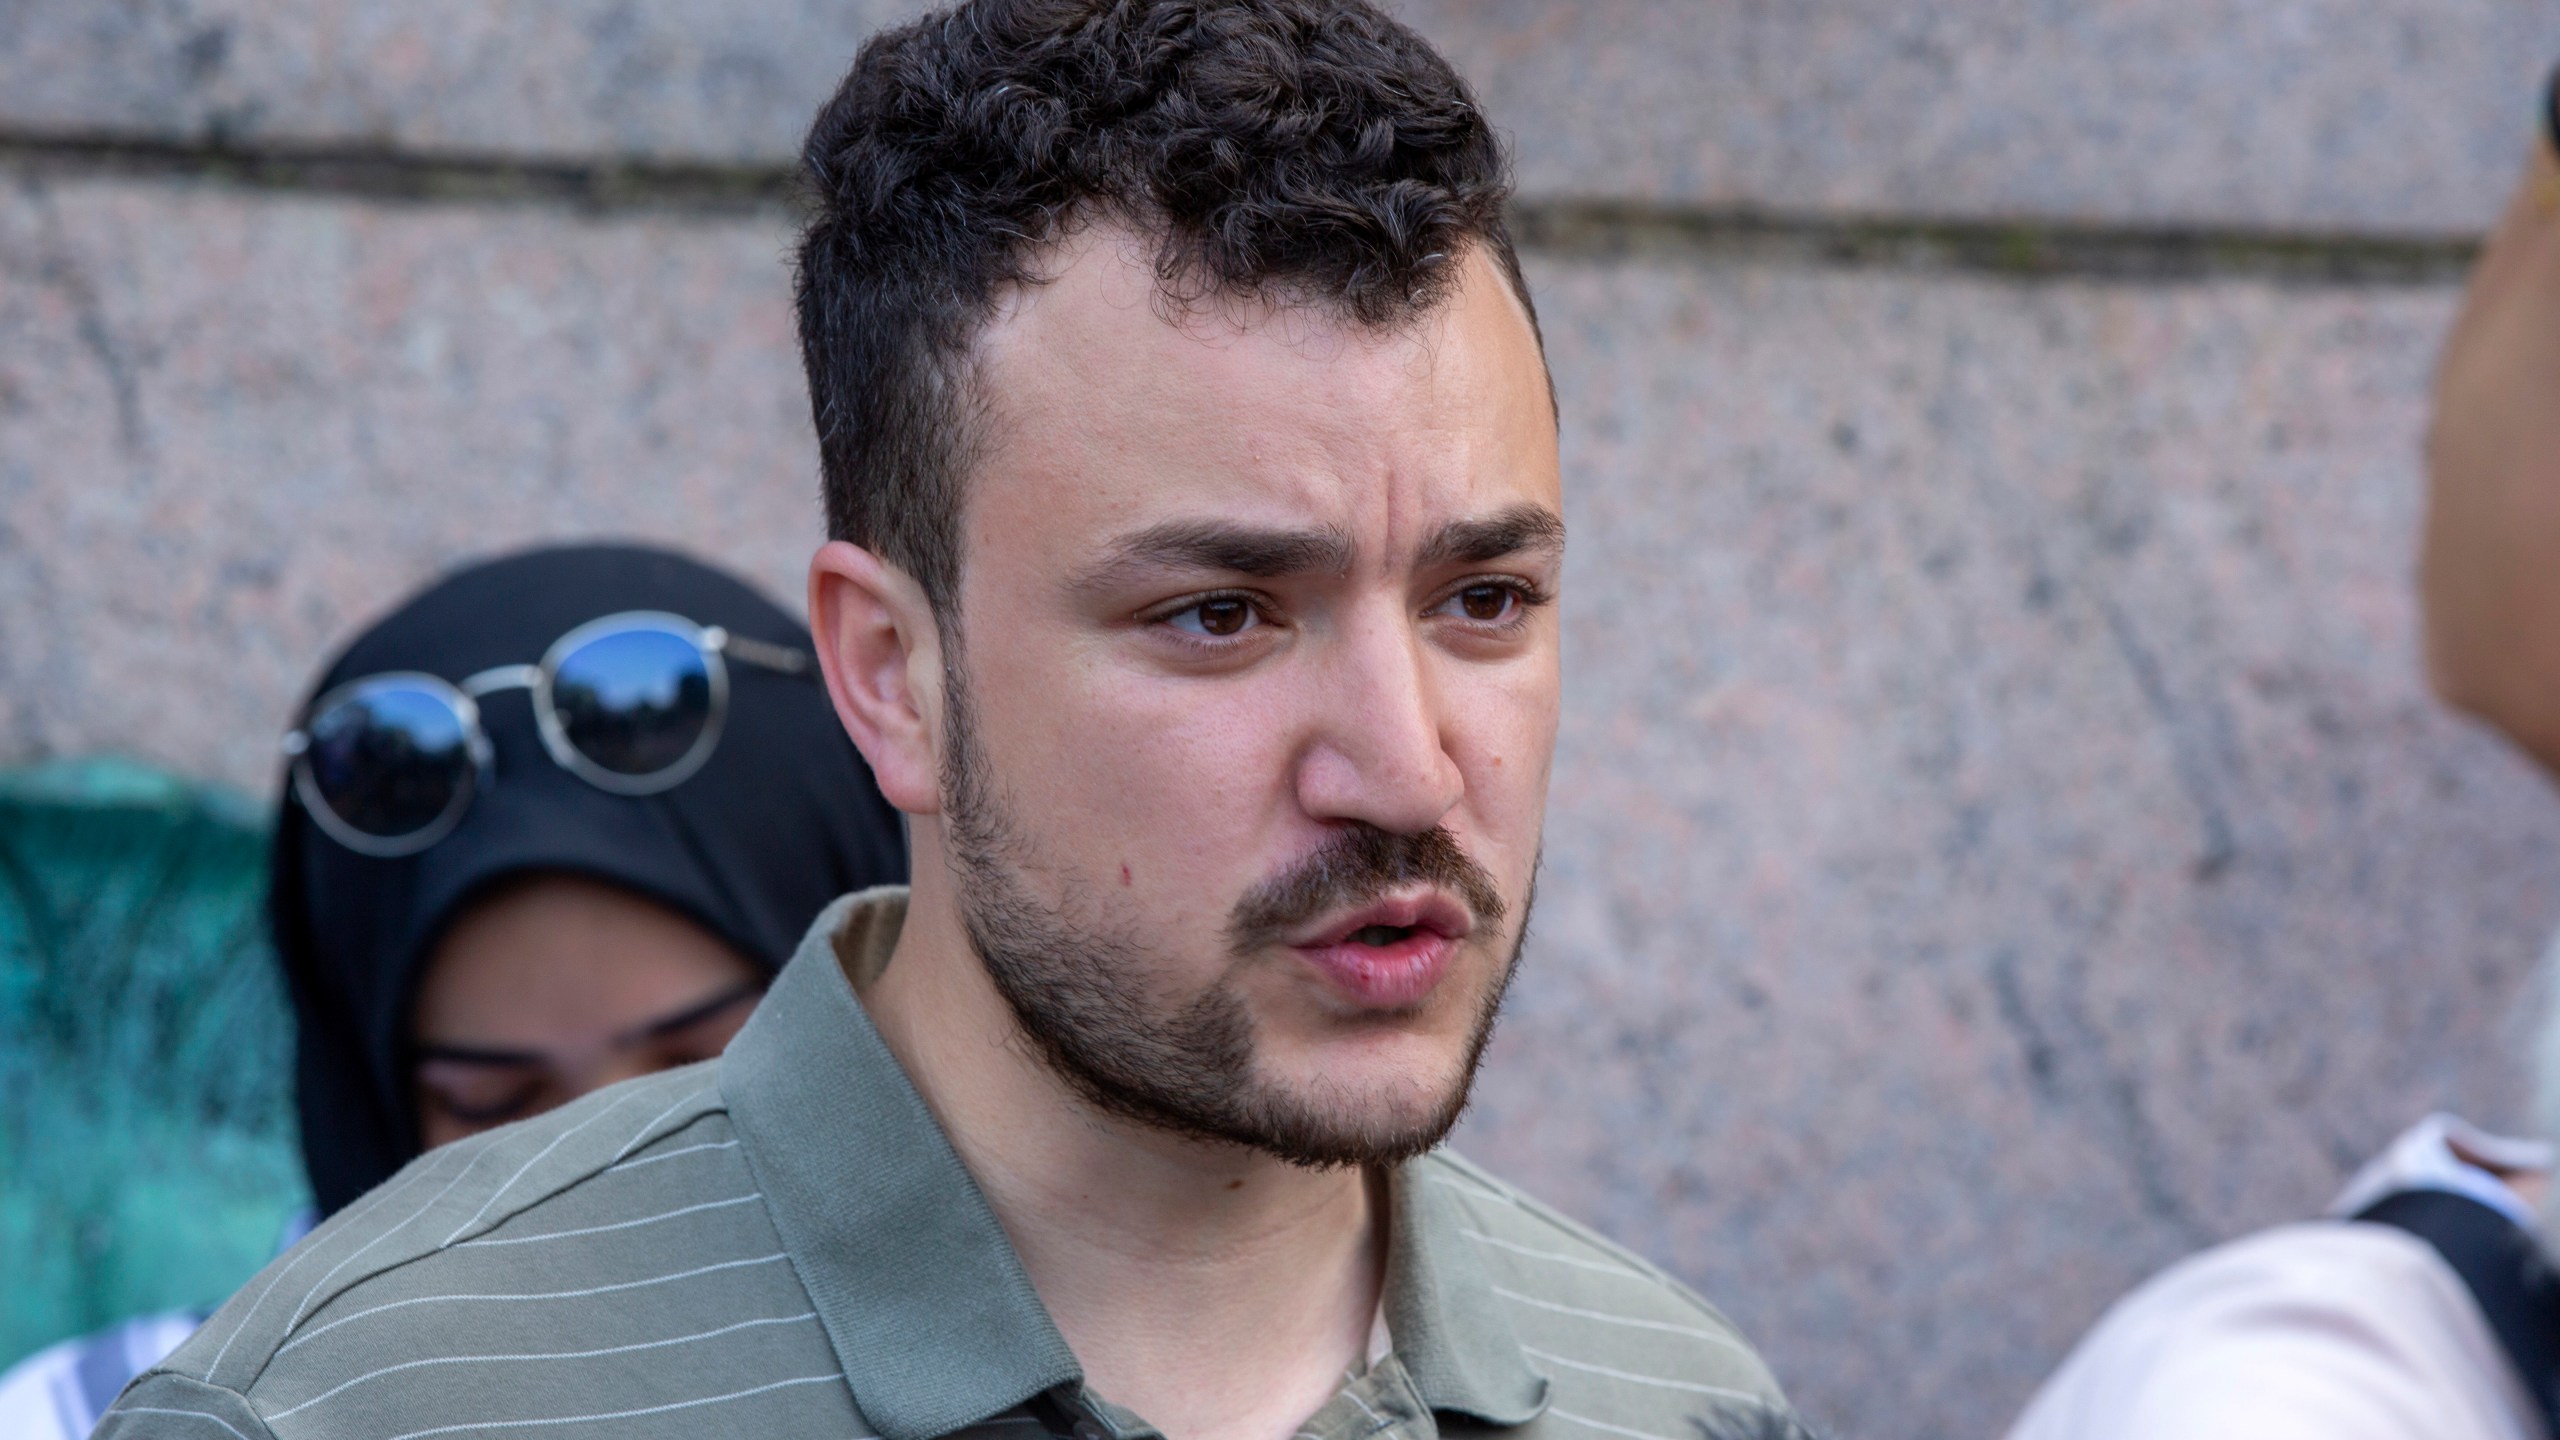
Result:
[{"x": 1077, "y": 987}]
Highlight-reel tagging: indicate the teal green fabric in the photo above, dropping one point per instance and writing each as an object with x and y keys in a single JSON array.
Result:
[{"x": 146, "y": 1125}]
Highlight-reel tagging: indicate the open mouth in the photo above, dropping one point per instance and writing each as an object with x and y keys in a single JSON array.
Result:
[
  {"x": 1389, "y": 954},
  {"x": 1392, "y": 921}
]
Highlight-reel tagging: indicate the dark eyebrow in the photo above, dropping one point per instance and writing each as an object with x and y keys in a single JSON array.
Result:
[
  {"x": 1509, "y": 532},
  {"x": 693, "y": 1014},
  {"x": 663, "y": 1025},
  {"x": 1236, "y": 549},
  {"x": 474, "y": 1055}
]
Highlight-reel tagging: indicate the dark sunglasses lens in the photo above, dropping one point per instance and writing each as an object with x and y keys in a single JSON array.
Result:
[
  {"x": 634, "y": 702},
  {"x": 391, "y": 759}
]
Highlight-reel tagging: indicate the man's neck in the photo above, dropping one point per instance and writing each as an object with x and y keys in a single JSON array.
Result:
[{"x": 1218, "y": 1292}]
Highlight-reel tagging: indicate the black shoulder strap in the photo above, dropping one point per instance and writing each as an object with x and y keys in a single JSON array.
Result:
[{"x": 2506, "y": 1272}]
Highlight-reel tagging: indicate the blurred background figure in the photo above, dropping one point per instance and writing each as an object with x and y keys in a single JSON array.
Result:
[
  {"x": 551, "y": 824},
  {"x": 2490, "y": 573},
  {"x": 2434, "y": 1313}
]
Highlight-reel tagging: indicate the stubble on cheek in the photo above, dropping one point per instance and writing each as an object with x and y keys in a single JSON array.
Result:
[{"x": 1121, "y": 1021}]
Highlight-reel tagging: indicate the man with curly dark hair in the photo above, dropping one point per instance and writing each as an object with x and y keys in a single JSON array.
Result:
[{"x": 1197, "y": 528}]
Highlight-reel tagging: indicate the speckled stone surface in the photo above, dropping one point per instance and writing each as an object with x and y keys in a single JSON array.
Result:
[
  {"x": 693, "y": 79},
  {"x": 716, "y": 80},
  {"x": 232, "y": 427},
  {"x": 2320, "y": 115},
  {"x": 2315, "y": 115},
  {"x": 2000, "y": 840}
]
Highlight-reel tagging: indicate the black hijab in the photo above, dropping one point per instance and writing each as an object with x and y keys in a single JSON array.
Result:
[{"x": 783, "y": 818}]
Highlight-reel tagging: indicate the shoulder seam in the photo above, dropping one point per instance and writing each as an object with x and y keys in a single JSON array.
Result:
[
  {"x": 308, "y": 1248},
  {"x": 315, "y": 1300},
  {"x": 163, "y": 1372},
  {"x": 638, "y": 1138}
]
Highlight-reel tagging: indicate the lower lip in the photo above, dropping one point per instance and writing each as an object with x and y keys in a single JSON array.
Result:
[{"x": 1384, "y": 977}]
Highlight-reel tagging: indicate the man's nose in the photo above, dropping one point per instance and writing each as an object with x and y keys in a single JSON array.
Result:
[{"x": 1378, "y": 746}]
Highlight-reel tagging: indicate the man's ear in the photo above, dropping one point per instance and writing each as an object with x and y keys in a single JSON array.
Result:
[{"x": 882, "y": 656}]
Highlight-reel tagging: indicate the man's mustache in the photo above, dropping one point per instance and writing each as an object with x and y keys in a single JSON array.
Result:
[{"x": 1353, "y": 868}]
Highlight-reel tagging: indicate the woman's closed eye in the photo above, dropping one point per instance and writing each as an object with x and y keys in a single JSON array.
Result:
[{"x": 481, "y": 1095}]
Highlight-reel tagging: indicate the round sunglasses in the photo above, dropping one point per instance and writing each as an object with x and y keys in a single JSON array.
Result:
[{"x": 631, "y": 703}]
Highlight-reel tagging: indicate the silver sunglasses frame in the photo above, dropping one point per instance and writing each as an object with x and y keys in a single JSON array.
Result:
[
  {"x": 708, "y": 641},
  {"x": 306, "y": 789},
  {"x": 714, "y": 643}
]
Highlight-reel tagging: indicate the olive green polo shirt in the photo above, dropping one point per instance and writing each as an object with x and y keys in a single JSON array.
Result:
[{"x": 783, "y": 1243}]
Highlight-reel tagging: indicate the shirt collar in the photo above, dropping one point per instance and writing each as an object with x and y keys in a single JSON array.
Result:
[
  {"x": 922, "y": 1296},
  {"x": 1449, "y": 1332},
  {"x": 927, "y": 1306}
]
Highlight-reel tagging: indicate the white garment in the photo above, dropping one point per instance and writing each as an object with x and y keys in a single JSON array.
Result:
[
  {"x": 2325, "y": 1330},
  {"x": 58, "y": 1392},
  {"x": 2431, "y": 1155}
]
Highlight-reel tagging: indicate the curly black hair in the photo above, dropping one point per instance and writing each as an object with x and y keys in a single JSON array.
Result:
[{"x": 1306, "y": 152}]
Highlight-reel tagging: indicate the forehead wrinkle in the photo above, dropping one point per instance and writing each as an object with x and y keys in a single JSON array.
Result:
[{"x": 1086, "y": 384}]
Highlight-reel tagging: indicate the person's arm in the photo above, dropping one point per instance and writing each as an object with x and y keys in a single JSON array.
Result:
[
  {"x": 2319, "y": 1331},
  {"x": 2490, "y": 572}
]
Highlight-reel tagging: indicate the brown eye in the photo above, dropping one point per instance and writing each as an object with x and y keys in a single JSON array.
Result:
[
  {"x": 1485, "y": 602},
  {"x": 1226, "y": 615}
]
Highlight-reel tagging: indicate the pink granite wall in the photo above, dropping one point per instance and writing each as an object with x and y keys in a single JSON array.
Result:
[{"x": 2000, "y": 840}]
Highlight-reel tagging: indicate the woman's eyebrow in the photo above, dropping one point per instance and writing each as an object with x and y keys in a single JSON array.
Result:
[
  {"x": 693, "y": 1014},
  {"x": 478, "y": 1055}
]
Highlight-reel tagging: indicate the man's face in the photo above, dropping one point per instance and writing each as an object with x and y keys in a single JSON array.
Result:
[{"x": 1252, "y": 698}]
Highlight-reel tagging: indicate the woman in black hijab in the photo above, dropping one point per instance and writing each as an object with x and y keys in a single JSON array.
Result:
[
  {"x": 780, "y": 817},
  {"x": 553, "y": 822}
]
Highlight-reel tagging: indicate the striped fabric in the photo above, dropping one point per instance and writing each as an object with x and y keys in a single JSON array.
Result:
[{"x": 781, "y": 1243}]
